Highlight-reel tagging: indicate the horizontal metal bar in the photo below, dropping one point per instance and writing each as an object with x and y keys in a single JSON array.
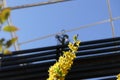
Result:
[
  {"x": 113, "y": 58},
  {"x": 82, "y": 48},
  {"x": 40, "y": 58},
  {"x": 90, "y": 64},
  {"x": 100, "y": 41},
  {"x": 92, "y": 74},
  {"x": 24, "y": 71},
  {"x": 26, "y": 77},
  {"x": 99, "y": 45},
  {"x": 32, "y": 55},
  {"x": 29, "y": 60},
  {"x": 99, "y": 51},
  {"x": 59, "y": 46},
  {"x": 85, "y": 60},
  {"x": 19, "y": 67},
  {"x": 95, "y": 67},
  {"x": 80, "y": 68},
  {"x": 82, "y": 51},
  {"x": 71, "y": 75},
  {"x": 33, "y": 50}
]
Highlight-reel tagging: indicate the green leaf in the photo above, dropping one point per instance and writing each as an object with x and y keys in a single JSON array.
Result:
[
  {"x": 1, "y": 6},
  {"x": 56, "y": 69},
  {"x": 7, "y": 52},
  {"x": 5, "y": 13},
  {"x": 9, "y": 43},
  {"x": 2, "y": 40},
  {"x": 1, "y": 48},
  {"x": 10, "y": 28},
  {"x": 1, "y": 44},
  {"x": 75, "y": 37}
]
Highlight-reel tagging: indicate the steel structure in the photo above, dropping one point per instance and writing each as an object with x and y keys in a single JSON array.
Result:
[
  {"x": 95, "y": 59},
  {"x": 110, "y": 20},
  {"x": 98, "y": 58}
]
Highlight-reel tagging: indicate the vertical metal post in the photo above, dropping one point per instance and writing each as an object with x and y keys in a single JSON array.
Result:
[
  {"x": 13, "y": 34},
  {"x": 111, "y": 19},
  {"x": 1, "y": 3}
]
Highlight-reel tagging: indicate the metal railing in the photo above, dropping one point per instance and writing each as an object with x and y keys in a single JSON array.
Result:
[{"x": 98, "y": 58}]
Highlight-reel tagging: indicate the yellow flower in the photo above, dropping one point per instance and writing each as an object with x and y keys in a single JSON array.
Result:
[
  {"x": 78, "y": 43},
  {"x": 72, "y": 47},
  {"x": 60, "y": 69},
  {"x": 118, "y": 77}
]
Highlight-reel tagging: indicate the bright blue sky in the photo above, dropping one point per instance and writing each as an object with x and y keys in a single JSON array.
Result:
[{"x": 49, "y": 19}]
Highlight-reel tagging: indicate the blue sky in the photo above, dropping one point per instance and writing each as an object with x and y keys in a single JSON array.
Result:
[{"x": 49, "y": 19}]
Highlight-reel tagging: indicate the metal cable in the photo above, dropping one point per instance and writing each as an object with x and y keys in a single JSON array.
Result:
[
  {"x": 70, "y": 30},
  {"x": 111, "y": 19},
  {"x": 74, "y": 29},
  {"x": 16, "y": 45},
  {"x": 38, "y": 4}
]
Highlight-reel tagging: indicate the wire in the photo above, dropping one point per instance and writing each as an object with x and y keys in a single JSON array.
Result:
[
  {"x": 38, "y": 4},
  {"x": 70, "y": 30},
  {"x": 111, "y": 19},
  {"x": 16, "y": 45},
  {"x": 116, "y": 18}
]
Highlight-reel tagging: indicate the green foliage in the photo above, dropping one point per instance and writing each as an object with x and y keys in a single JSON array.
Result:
[
  {"x": 10, "y": 42},
  {"x": 7, "y": 52},
  {"x": 75, "y": 37},
  {"x": 1, "y": 44},
  {"x": 4, "y": 14},
  {"x": 10, "y": 28},
  {"x": 5, "y": 44},
  {"x": 1, "y": 6},
  {"x": 1, "y": 48}
]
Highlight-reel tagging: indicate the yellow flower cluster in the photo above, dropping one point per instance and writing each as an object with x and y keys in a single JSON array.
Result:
[
  {"x": 60, "y": 69},
  {"x": 118, "y": 77}
]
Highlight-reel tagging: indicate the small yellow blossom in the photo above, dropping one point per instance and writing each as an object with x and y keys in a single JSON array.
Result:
[
  {"x": 72, "y": 47},
  {"x": 60, "y": 69},
  {"x": 118, "y": 77},
  {"x": 78, "y": 43}
]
